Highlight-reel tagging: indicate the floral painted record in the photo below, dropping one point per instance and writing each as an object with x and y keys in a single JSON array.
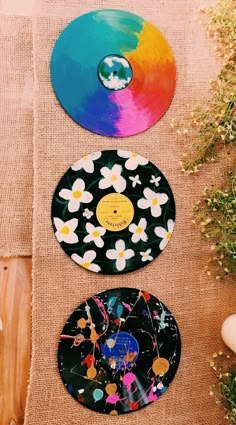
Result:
[
  {"x": 119, "y": 351},
  {"x": 113, "y": 212}
]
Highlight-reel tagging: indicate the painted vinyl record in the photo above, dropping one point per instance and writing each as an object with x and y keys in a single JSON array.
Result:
[
  {"x": 113, "y": 72},
  {"x": 113, "y": 212},
  {"x": 119, "y": 351}
]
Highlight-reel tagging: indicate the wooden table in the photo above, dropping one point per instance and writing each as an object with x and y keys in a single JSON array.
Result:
[{"x": 15, "y": 338}]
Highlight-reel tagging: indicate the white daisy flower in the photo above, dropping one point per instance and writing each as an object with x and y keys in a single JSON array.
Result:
[
  {"x": 112, "y": 178},
  {"x": 120, "y": 254},
  {"x": 135, "y": 180},
  {"x": 94, "y": 234},
  {"x": 133, "y": 161},
  {"x": 76, "y": 195},
  {"x": 155, "y": 180},
  {"x": 152, "y": 200},
  {"x": 86, "y": 162},
  {"x": 87, "y": 261},
  {"x": 66, "y": 230},
  {"x": 87, "y": 213},
  {"x": 146, "y": 255},
  {"x": 139, "y": 231},
  {"x": 164, "y": 234}
]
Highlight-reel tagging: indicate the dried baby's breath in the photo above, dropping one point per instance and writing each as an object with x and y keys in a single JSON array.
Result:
[{"x": 212, "y": 124}]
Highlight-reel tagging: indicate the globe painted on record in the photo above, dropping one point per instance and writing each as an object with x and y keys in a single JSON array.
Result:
[
  {"x": 119, "y": 351},
  {"x": 113, "y": 72},
  {"x": 113, "y": 212}
]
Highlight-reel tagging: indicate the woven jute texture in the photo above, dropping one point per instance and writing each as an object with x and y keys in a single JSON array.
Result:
[
  {"x": 177, "y": 277},
  {"x": 16, "y": 135}
]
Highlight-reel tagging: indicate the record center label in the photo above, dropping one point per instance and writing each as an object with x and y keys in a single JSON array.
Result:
[
  {"x": 120, "y": 350},
  {"x": 115, "y": 212}
]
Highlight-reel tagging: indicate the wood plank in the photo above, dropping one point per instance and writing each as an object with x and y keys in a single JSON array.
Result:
[{"x": 15, "y": 337}]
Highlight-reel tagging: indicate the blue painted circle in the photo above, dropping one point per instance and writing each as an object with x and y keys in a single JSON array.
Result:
[{"x": 124, "y": 343}]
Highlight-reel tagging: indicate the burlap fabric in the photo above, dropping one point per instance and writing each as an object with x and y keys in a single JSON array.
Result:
[
  {"x": 16, "y": 135},
  {"x": 177, "y": 277}
]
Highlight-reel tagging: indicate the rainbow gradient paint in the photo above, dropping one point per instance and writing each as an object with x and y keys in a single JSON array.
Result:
[{"x": 113, "y": 72}]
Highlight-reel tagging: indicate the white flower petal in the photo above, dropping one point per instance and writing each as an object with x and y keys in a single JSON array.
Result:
[
  {"x": 155, "y": 210},
  {"x": 132, "y": 227},
  {"x": 162, "y": 198},
  {"x": 163, "y": 244},
  {"x": 143, "y": 203},
  {"x": 135, "y": 237},
  {"x": 98, "y": 242},
  {"x": 104, "y": 183},
  {"x": 120, "y": 245},
  {"x": 71, "y": 238},
  {"x": 74, "y": 205},
  {"x": 78, "y": 185},
  {"x": 94, "y": 268},
  {"x": 149, "y": 194},
  {"x": 88, "y": 239},
  {"x": 89, "y": 256},
  {"x": 120, "y": 263},
  {"x": 89, "y": 227},
  {"x": 86, "y": 197},
  {"x": 77, "y": 259},
  {"x": 116, "y": 170},
  {"x": 142, "y": 160},
  {"x": 65, "y": 194},
  {"x": 77, "y": 165},
  {"x": 142, "y": 223},
  {"x": 111, "y": 254},
  {"x": 129, "y": 253},
  {"x": 72, "y": 224},
  {"x": 144, "y": 237},
  {"x": 59, "y": 236},
  {"x": 58, "y": 223},
  {"x": 105, "y": 172},
  {"x": 101, "y": 230},
  {"x": 120, "y": 184},
  {"x": 160, "y": 232},
  {"x": 131, "y": 164},
  {"x": 170, "y": 225},
  {"x": 88, "y": 166},
  {"x": 95, "y": 155},
  {"x": 124, "y": 154}
]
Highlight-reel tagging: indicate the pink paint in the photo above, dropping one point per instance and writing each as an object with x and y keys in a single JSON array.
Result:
[
  {"x": 113, "y": 398},
  {"x": 134, "y": 118},
  {"x": 128, "y": 379}
]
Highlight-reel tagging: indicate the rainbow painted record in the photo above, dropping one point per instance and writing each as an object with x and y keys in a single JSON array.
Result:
[
  {"x": 113, "y": 72},
  {"x": 119, "y": 351},
  {"x": 113, "y": 212}
]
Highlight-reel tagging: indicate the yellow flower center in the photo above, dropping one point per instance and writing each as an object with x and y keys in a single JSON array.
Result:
[
  {"x": 155, "y": 201},
  {"x": 168, "y": 235},
  {"x": 133, "y": 155},
  {"x": 121, "y": 254},
  {"x": 65, "y": 230},
  {"x": 85, "y": 265},
  {"x": 77, "y": 194},
  {"x": 96, "y": 234},
  {"x": 85, "y": 157},
  {"x": 139, "y": 230},
  {"x": 113, "y": 178}
]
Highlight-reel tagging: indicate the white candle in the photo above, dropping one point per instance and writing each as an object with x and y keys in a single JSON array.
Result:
[{"x": 228, "y": 332}]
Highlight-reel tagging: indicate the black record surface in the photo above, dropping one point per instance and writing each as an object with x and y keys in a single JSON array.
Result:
[
  {"x": 119, "y": 351},
  {"x": 113, "y": 212}
]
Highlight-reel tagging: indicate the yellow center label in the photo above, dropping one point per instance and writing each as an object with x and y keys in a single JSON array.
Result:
[
  {"x": 115, "y": 212},
  {"x": 77, "y": 194}
]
